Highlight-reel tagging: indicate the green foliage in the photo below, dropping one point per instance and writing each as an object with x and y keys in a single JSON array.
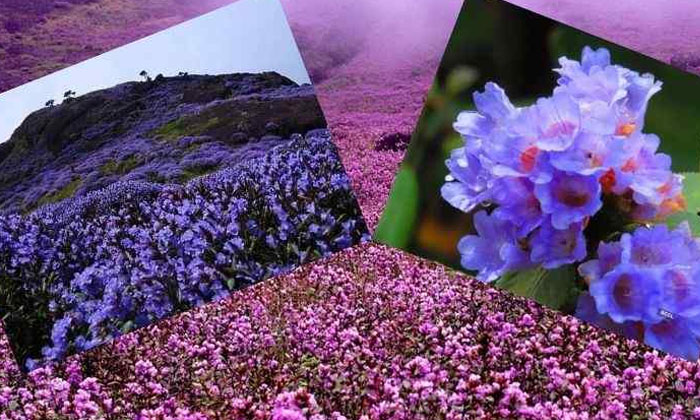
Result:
[
  {"x": 195, "y": 171},
  {"x": 173, "y": 130},
  {"x": 691, "y": 190},
  {"x": 179, "y": 128},
  {"x": 155, "y": 177},
  {"x": 125, "y": 166},
  {"x": 556, "y": 288},
  {"x": 397, "y": 222},
  {"x": 460, "y": 79},
  {"x": 16, "y": 302},
  {"x": 65, "y": 192}
]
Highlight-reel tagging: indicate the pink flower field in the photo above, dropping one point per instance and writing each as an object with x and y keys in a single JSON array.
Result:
[{"x": 397, "y": 338}]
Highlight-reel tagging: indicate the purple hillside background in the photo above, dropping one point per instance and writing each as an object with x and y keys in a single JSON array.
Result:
[
  {"x": 665, "y": 30},
  {"x": 39, "y": 37},
  {"x": 373, "y": 331}
]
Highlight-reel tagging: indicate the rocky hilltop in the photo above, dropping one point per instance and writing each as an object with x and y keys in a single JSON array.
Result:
[{"x": 161, "y": 130}]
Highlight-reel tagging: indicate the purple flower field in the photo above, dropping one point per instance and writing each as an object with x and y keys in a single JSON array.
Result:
[
  {"x": 166, "y": 130},
  {"x": 39, "y": 37},
  {"x": 140, "y": 241},
  {"x": 643, "y": 29}
]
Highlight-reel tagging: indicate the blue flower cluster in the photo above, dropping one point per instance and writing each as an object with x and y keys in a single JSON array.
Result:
[
  {"x": 648, "y": 283},
  {"x": 553, "y": 182},
  {"x": 99, "y": 265},
  {"x": 539, "y": 173}
]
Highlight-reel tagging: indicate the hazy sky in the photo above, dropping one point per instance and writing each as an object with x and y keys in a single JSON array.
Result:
[{"x": 246, "y": 36}]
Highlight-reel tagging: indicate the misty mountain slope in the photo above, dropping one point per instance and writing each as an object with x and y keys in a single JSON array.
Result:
[
  {"x": 166, "y": 130},
  {"x": 39, "y": 37}
]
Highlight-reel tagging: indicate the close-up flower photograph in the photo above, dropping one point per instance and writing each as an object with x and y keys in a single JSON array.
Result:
[{"x": 563, "y": 169}]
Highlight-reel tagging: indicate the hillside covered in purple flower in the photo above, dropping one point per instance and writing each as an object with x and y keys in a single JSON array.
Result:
[
  {"x": 164, "y": 130},
  {"x": 128, "y": 205}
]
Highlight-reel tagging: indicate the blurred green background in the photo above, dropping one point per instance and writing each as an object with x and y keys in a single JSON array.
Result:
[{"x": 496, "y": 41}]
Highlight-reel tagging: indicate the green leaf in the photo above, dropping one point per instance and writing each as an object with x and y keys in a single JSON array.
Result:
[
  {"x": 460, "y": 79},
  {"x": 397, "y": 223},
  {"x": 553, "y": 288},
  {"x": 691, "y": 190},
  {"x": 127, "y": 327}
]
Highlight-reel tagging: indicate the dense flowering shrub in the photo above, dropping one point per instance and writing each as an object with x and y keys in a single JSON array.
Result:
[
  {"x": 548, "y": 182},
  {"x": 648, "y": 283},
  {"x": 92, "y": 268},
  {"x": 546, "y": 168}
]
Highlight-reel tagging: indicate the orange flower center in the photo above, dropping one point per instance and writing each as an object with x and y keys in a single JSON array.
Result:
[
  {"x": 625, "y": 129},
  {"x": 529, "y": 157},
  {"x": 664, "y": 189},
  {"x": 629, "y": 166},
  {"x": 673, "y": 205},
  {"x": 607, "y": 181}
]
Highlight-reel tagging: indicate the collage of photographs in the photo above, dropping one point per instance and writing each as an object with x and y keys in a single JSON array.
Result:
[{"x": 308, "y": 210}]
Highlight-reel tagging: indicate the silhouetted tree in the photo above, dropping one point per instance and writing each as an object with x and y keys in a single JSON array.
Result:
[
  {"x": 69, "y": 95},
  {"x": 50, "y": 103},
  {"x": 145, "y": 75}
]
